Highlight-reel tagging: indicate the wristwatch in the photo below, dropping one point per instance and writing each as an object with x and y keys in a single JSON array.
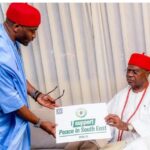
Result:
[
  {"x": 37, "y": 125},
  {"x": 130, "y": 127}
]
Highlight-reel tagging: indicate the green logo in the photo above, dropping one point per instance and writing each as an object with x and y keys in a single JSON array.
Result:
[{"x": 81, "y": 112}]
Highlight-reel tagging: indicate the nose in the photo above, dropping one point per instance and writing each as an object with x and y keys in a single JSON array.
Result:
[{"x": 129, "y": 75}]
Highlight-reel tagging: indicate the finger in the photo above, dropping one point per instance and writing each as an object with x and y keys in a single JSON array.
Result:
[
  {"x": 54, "y": 105},
  {"x": 112, "y": 124},
  {"x": 57, "y": 105},
  {"x": 112, "y": 115},
  {"x": 53, "y": 125},
  {"x": 51, "y": 106},
  {"x": 49, "y": 98},
  {"x": 53, "y": 134},
  {"x": 109, "y": 118}
]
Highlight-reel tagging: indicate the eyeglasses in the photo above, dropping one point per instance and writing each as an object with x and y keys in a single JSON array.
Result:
[{"x": 54, "y": 90}]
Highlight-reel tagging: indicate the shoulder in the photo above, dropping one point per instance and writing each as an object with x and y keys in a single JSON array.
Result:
[
  {"x": 4, "y": 40},
  {"x": 119, "y": 95},
  {"x": 7, "y": 61},
  {"x": 5, "y": 48},
  {"x": 117, "y": 100},
  {"x": 123, "y": 91}
]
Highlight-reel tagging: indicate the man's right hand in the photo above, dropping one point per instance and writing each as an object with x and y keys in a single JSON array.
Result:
[{"x": 49, "y": 127}]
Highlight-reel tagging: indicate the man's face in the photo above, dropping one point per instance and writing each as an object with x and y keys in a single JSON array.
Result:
[
  {"x": 26, "y": 34},
  {"x": 136, "y": 76}
]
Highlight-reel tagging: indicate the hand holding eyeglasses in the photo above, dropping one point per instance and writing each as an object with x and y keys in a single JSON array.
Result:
[{"x": 47, "y": 101}]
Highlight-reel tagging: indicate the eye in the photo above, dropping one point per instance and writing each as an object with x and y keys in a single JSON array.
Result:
[
  {"x": 135, "y": 72},
  {"x": 32, "y": 31}
]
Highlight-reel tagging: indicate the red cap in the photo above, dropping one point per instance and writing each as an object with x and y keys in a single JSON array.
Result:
[
  {"x": 23, "y": 14},
  {"x": 140, "y": 60}
]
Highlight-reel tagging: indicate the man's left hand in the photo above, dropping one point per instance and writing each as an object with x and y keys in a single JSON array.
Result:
[{"x": 114, "y": 121}]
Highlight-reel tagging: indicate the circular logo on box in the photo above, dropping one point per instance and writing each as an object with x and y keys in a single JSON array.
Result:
[{"x": 81, "y": 112}]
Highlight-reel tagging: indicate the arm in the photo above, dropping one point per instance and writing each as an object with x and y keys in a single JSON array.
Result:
[
  {"x": 112, "y": 118},
  {"x": 10, "y": 101},
  {"x": 30, "y": 88},
  {"x": 26, "y": 114}
]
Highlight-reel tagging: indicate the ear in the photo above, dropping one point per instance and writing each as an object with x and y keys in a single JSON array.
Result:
[{"x": 16, "y": 27}]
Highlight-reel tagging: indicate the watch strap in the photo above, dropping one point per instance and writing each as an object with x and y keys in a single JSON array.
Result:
[{"x": 37, "y": 125}]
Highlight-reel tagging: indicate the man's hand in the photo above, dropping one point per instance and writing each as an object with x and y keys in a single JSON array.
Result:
[
  {"x": 43, "y": 99},
  {"x": 46, "y": 101},
  {"x": 114, "y": 121},
  {"x": 49, "y": 127}
]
